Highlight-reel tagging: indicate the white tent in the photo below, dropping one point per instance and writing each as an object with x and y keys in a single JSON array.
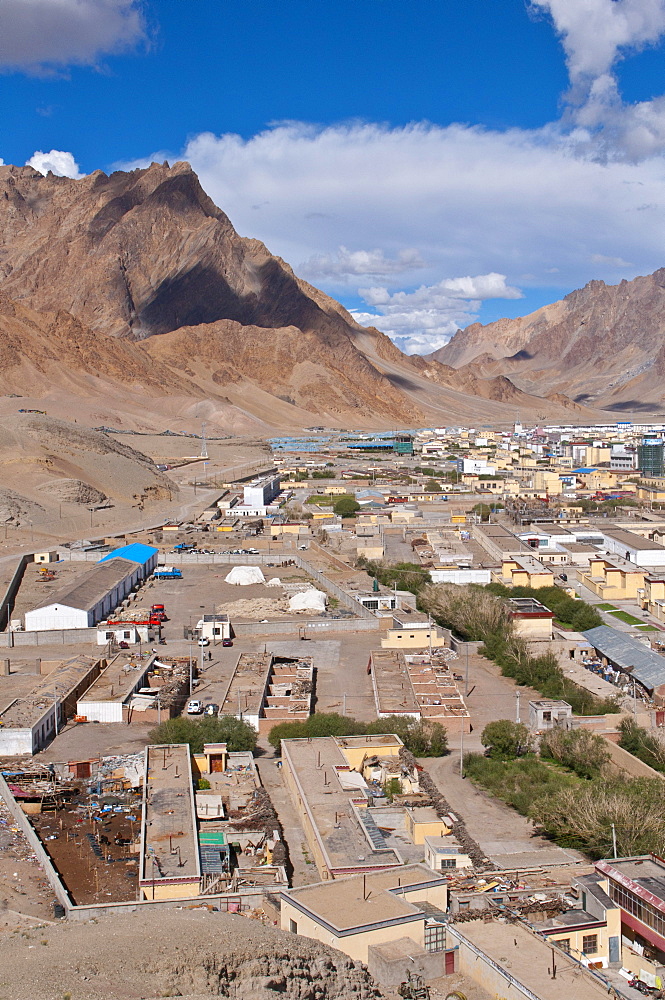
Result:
[
  {"x": 309, "y": 600},
  {"x": 274, "y": 582},
  {"x": 243, "y": 576}
]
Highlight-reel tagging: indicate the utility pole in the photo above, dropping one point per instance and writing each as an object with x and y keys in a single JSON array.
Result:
[
  {"x": 461, "y": 750},
  {"x": 614, "y": 840},
  {"x": 517, "y": 706}
]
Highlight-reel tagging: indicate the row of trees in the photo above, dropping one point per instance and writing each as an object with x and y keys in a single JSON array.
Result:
[
  {"x": 407, "y": 575},
  {"x": 568, "y": 791},
  {"x": 570, "y": 612},
  {"x": 423, "y": 740},
  {"x": 238, "y": 735}
]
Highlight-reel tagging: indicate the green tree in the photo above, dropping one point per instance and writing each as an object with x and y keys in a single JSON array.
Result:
[
  {"x": 431, "y": 486},
  {"x": 506, "y": 740},
  {"x": 346, "y": 507},
  {"x": 238, "y": 735}
]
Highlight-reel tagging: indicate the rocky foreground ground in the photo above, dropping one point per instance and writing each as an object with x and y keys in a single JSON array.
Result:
[{"x": 175, "y": 953}]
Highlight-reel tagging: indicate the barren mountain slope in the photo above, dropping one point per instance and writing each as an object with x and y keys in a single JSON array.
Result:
[
  {"x": 603, "y": 345},
  {"x": 196, "y": 311},
  {"x": 44, "y": 462}
]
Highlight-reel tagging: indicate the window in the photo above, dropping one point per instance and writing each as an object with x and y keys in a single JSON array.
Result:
[
  {"x": 216, "y": 630},
  {"x": 435, "y": 937},
  {"x": 590, "y": 944},
  {"x": 109, "y": 635},
  {"x": 126, "y": 635},
  {"x": 564, "y": 944},
  {"x": 293, "y": 926},
  {"x": 547, "y": 716},
  {"x": 448, "y": 863},
  {"x": 463, "y": 904}
]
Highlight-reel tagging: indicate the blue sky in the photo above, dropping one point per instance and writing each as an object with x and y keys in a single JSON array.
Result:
[{"x": 427, "y": 162}]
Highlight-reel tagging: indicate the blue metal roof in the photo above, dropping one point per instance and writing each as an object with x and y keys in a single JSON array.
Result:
[
  {"x": 136, "y": 552},
  {"x": 629, "y": 654},
  {"x": 573, "y": 471}
]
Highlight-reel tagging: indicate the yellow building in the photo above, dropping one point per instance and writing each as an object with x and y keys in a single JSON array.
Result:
[
  {"x": 442, "y": 855},
  {"x": 422, "y": 822},
  {"x": 354, "y": 914},
  {"x": 547, "y": 482},
  {"x": 653, "y": 598},
  {"x": 613, "y": 581},
  {"x": 335, "y": 491},
  {"x": 523, "y": 571},
  {"x": 327, "y": 782}
]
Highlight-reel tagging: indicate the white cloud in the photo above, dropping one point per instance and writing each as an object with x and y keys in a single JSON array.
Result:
[
  {"x": 580, "y": 198},
  {"x": 348, "y": 264},
  {"x": 58, "y": 162},
  {"x": 425, "y": 319},
  {"x": 596, "y": 34},
  {"x": 601, "y": 258},
  {"x": 41, "y": 35}
]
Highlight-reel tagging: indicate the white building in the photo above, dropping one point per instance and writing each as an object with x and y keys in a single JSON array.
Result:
[
  {"x": 131, "y": 632},
  {"x": 261, "y": 492},
  {"x": 214, "y": 627},
  {"x": 633, "y": 548},
  {"x": 477, "y": 466},
  {"x": 87, "y": 600}
]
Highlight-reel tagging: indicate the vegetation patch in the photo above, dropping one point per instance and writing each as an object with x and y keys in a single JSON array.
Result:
[{"x": 422, "y": 739}]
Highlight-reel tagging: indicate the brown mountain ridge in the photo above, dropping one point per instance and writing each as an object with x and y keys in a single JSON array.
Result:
[
  {"x": 602, "y": 345},
  {"x": 134, "y": 290}
]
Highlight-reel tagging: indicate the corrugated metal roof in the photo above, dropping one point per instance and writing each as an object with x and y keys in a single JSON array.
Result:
[
  {"x": 629, "y": 654},
  {"x": 136, "y": 552}
]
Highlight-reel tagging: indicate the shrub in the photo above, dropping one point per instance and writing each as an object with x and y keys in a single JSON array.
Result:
[
  {"x": 237, "y": 735},
  {"x": 582, "y": 816},
  {"x": 518, "y": 783},
  {"x": 642, "y": 744},
  {"x": 583, "y": 752},
  {"x": 346, "y": 506}
]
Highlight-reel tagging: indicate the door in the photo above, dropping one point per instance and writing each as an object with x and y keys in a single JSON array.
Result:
[{"x": 450, "y": 962}]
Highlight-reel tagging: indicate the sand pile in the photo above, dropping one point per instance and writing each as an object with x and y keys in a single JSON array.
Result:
[{"x": 255, "y": 610}]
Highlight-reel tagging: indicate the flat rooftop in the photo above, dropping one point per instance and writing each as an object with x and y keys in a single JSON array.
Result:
[
  {"x": 244, "y": 695},
  {"x": 393, "y": 691},
  {"x": 314, "y": 764},
  {"x": 24, "y": 712},
  {"x": 170, "y": 846},
  {"x": 648, "y": 873},
  {"x": 356, "y": 901},
  {"x": 118, "y": 680},
  {"x": 631, "y": 540},
  {"x": 527, "y": 958}
]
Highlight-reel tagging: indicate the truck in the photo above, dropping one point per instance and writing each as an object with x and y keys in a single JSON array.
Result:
[
  {"x": 184, "y": 547},
  {"x": 158, "y": 613},
  {"x": 168, "y": 573}
]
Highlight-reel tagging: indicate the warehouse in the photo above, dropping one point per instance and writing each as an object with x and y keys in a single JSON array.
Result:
[
  {"x": 144, "y": 555},
  {"x": 88, "y": 600}
]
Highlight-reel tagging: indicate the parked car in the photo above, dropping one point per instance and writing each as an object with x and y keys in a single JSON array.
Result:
[
  {"x": 211, "y": 709},
  {"x": 204, "y": 642},
  {"x": 227, "y": 642},
  {"x": 194, "y": 707}
]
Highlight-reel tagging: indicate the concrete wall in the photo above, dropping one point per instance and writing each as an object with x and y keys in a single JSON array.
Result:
[
  {"x": 49, "y": 637},
  {"x": 41, "y": 854},
  {"x": 9, "y": 596},
  {"x": 626, "y": 763}
]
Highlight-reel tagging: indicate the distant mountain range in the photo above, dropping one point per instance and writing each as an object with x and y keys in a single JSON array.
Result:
[
  {"x": 602, "y": 346},
  {"x": 132, "y": 296}
]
